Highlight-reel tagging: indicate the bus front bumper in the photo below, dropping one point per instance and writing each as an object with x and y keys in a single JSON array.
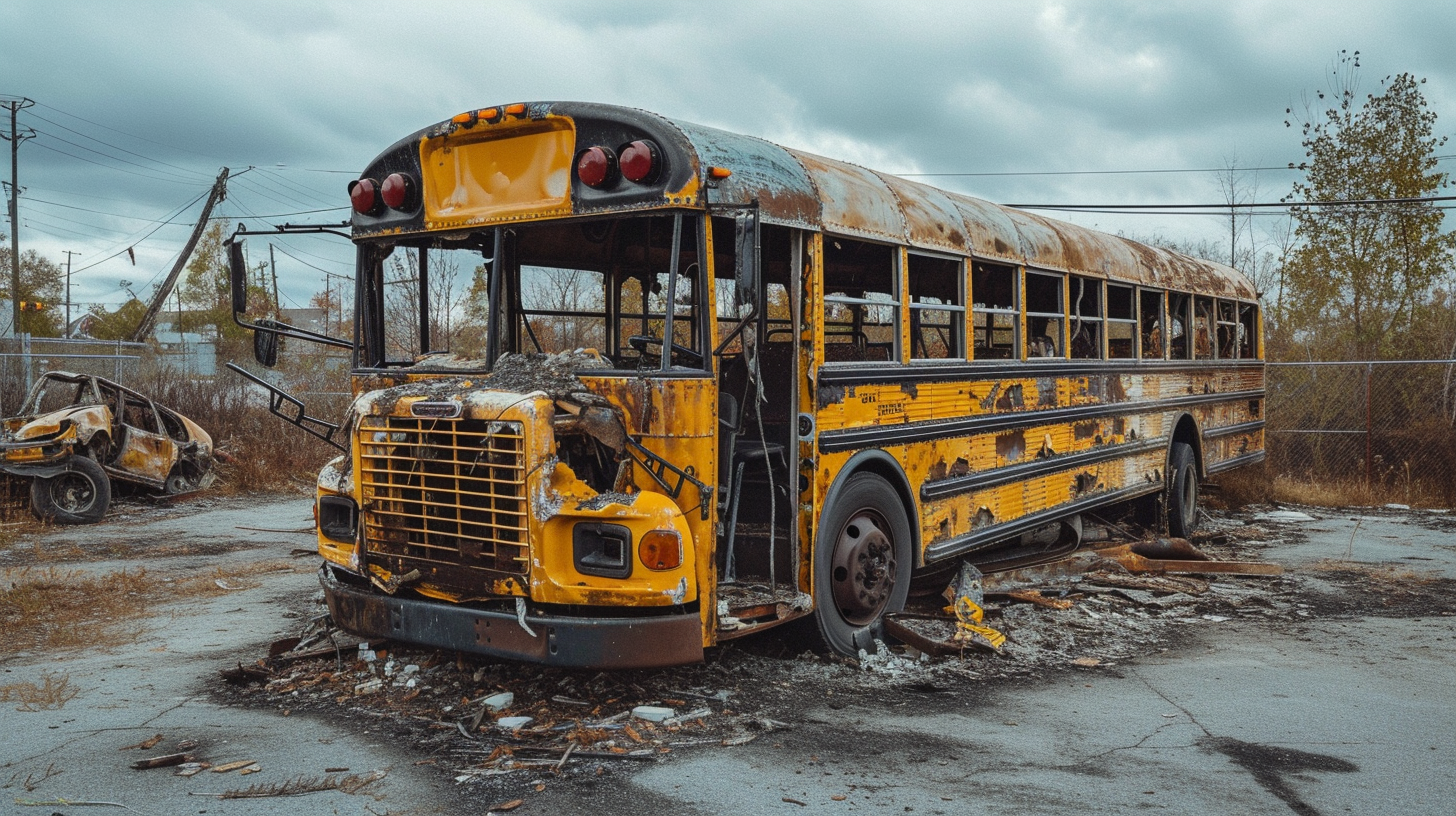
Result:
[{"x": 555, "y": 640}]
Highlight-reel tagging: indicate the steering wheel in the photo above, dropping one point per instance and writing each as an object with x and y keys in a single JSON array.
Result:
[{"x": 642, "y": 341}]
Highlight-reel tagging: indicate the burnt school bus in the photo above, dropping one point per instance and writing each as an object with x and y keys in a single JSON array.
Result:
[{"x": 715, "y": 385}]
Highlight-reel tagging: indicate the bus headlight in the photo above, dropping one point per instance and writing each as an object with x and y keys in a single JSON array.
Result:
[
  {"x": 338, "y": 518},
  {"x": 602, "y": 549}
]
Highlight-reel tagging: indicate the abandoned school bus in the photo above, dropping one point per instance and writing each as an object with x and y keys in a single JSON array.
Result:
[{"x": 721, "y": 385}]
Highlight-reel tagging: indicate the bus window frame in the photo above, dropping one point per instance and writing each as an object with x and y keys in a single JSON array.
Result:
[
  {"x": 1159, "y": 323},
  {"x": 1059, "y": 342},
  {"x": 1098, "y": 321},
  {"x": 958, "y": 326},
  {"x": 1014, "y": 311},
  {"x": 1185, "y": 324},
  {"x": 1131, "y": 321},
  {"x": 895, "y": 306}
]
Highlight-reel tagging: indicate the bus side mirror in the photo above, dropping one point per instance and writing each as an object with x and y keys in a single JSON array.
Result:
[
  {"x": 745, "y": 254},
  {"x": 265, "y": 344},
  {"x": 238, "y": 274}
]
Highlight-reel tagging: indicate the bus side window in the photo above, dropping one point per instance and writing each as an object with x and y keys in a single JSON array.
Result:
[
  {"x": 1203, "y": 328},
  {"x": 937, "y": 310},
  {"x": 1227, "y": 329},
  {"x": 1248, "y": 329},
  {"x": 1045, "y": 320},
  {"x": 1121, "y": 322},
  {"x": 1150, "y": 316},
  {"x": 1086, "y": 318},
  {"x": 861, "y": 301},
  {"x": 1178, "y": 345},
  {"x": 995, "y": 314}
]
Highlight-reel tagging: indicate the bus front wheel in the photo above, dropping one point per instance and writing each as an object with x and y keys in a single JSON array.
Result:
[
  {"x": 862, "y": 564},
  {"x": 1182, "y": 491}
]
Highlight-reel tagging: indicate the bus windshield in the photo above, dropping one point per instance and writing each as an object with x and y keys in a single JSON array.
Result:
[{"x": 610, "y": 285}]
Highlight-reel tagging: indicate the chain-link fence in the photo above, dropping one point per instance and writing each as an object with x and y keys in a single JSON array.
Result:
[
  {"x": 24, "y": 358},
  {"x": 1385, "y": 423}
]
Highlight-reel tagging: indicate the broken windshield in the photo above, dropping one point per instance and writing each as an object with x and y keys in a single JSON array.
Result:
[{"x": 609, "y": 285}]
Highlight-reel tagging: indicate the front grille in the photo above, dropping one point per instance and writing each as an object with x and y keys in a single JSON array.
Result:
[{"x": 446, "y": 497}]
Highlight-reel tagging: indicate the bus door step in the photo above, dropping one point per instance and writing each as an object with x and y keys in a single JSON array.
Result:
[{"x": 745, "y": 608}]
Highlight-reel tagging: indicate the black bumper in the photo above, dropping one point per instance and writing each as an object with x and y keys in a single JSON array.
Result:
[{"x": 606, "y": 643}]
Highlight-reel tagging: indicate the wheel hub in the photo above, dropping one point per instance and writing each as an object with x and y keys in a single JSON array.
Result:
[
  {"x": 862, "y": 569},
  {"x": 73, "y": 493}
]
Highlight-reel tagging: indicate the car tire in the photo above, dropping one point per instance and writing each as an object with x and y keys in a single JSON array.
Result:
[
  {"x": 862, "y": 564},
  {"x": 80, "y": 495},
  {"x": 1182, "y": 499}
]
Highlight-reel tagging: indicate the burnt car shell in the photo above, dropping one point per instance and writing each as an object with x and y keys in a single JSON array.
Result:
[{"x": 133, "y": 439}]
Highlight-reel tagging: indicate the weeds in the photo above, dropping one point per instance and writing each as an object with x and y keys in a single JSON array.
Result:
[
  {"x": 54, "y": 691},
  {"x": 1255, "y": 485},
  {"x": 52, "y": 609}
]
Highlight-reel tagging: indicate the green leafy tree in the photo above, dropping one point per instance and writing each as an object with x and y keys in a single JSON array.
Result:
[
  {"x": 120, "y": 324},
  {"x": 41, "y": 280},
  {"x": 206, "y": 290},
  {"x": 1360, "y": 275}
]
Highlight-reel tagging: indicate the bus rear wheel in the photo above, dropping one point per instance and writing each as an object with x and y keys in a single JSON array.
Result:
[
  {"x": 1182, "y": 491},
  {"x": 862, "y": 564}
]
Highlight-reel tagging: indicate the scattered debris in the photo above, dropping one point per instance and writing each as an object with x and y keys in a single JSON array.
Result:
[
  {"x": 652, "y": 713},
  {"x": 150, "y": 742},
  {"x": 165, "y": 761}
]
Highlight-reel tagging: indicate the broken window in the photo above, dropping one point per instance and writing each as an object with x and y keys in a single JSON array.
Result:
[
  {"x": 1179, "y": 307},
  {"x": 1122, "y": 325},
  {"x": 1151, "y": 324},
  {"x": 937, "y": 310},
  {"x": 1203, "y": 328},
  {"x": 1227, "y": 327},
  {"x": 861, "y": 301},
  {"x": 562, "y": 309},
  {"x": 1248, "y": 330},
  {"x": 995, "y": 314},
  {"x": 1045, "y": 319},
  {"x": 1085, "y": 313}
]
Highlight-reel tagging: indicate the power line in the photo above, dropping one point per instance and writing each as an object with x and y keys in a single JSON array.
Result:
[
  {"x": 112, "y": 167},
  {"x": 130, "y": 244},
  {"x": 1291, "y": 166},
  {"x": 1287, "y": 205},
  {"x": 124, "y": 133},
  {"x": 114, "y": 147},
  {"x": 98, "y": 212}
]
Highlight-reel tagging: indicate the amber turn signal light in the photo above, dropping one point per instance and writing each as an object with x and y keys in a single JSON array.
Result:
[{"x": 660, "y": 550}]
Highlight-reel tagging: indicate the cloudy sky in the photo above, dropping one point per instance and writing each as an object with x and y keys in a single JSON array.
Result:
[{"x": 139, "y": 104}]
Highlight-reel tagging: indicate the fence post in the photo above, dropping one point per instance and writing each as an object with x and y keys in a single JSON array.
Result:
[
  {"x": 25, "y": 359},
  {"x": 117, "y": 364},
  {"x": 1368, "y": 425}
]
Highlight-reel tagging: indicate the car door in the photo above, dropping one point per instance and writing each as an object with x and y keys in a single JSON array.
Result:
[{"x": 145, "y": 451}]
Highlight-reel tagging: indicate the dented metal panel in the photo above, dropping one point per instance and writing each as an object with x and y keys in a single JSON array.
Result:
[
  {"x": 761, "y": 170},
  {"x": 855, "y": 200},
  {"x": 990, "y": 231},
  {"x": 931, "y": 218}
]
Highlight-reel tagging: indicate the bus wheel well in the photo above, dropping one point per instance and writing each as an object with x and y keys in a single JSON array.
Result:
[
  {"x": 882, "y": 465},
  {"x": 1186, "y": 431}
]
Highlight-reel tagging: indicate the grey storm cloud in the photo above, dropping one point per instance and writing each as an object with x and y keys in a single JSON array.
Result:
[{"x": 298, "y": 88}]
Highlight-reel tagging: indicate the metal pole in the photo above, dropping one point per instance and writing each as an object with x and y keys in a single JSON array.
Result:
[
  {"x": 1368, "y": 464},
  {"x": 25, "y": 358},
  {"x": 69, "y": 253},
  {"x": 15, "y": 138}
]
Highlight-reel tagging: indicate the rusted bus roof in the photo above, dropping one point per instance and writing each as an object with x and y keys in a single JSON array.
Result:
[{"x": 803, "y": 190}]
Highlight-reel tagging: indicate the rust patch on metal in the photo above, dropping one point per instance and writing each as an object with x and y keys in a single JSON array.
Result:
[
  {"x": 910, "y": 390},
  {"x": 1011, "y": 446},
  {"x": 960, "y": 467},
  {"x": 1046, "y": 393},
  {"x": 1011, "y": 400},
  {"x": 830, "y": 395},
  {"x": 1083, "y": 431},
  {"x": 936, "y": 471}
]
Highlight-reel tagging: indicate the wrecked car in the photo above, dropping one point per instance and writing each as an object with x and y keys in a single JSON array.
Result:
[{"x": 76, "y": 433}]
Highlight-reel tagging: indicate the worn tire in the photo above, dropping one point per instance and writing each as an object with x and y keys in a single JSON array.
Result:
[
  {"x": 1182, "y": 498},
  {"x": 80, "y": 495},
  {"x": 861, "y": 564}
]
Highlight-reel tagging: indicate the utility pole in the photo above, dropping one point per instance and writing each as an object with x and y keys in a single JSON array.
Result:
[
  {"x": 219, "y": 192},
  {"x": 69, "y": 253},
  {"x": 15, "y": 138}
]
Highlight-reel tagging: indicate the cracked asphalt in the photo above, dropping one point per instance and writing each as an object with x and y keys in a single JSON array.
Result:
[{"x": 1344, "y": 704}]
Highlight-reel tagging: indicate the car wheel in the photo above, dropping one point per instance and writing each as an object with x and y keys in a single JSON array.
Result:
[
  {"x": 80, "y": 495},
  {"x": 1182, "y": 498},
  {"x": 862, "y": 564}
]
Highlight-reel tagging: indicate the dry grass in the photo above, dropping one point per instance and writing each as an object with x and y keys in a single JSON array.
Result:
[
  {"x": 1255, "y": 485},
  {"x": 54, "y": 691},
  {"x": 51, "y": 609},
  {"x": 1385, "y": 576}
]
